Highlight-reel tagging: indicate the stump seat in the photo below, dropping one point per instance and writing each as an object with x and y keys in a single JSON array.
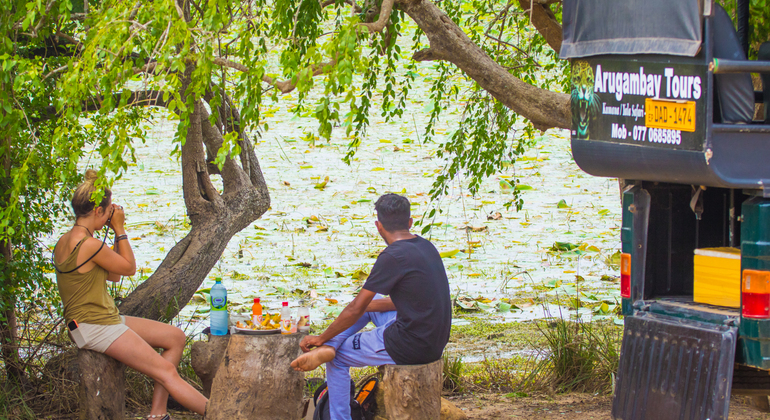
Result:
[
  {"x": 250, "y": 377},
  {"x": 102, "y": 394},
  {"x": 410, "y": 392}
]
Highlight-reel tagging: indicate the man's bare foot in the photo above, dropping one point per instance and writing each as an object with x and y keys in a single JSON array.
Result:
[{"x": 314, "y": 358}]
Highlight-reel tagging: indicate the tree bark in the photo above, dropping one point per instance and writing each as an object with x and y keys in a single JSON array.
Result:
[
  {"x": 410, "y": 392},
  {"x": 545, "y": 109},
  {"x": 102, "y": 387},
  {"x": 255, "y": 381},
  {"x": 214, "y": 218},
  {"x": 205, "y": 357},
  {"x": 9, "y": 340},
  {"x": 544, "y": 21}
]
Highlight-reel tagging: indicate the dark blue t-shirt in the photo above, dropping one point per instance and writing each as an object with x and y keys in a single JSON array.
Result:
[{"x": 412, "y": 273}]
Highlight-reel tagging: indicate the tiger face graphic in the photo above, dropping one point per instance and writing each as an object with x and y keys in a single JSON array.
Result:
[{"x": 585, "y": 103}]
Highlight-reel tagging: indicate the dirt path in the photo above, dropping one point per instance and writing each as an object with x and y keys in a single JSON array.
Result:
[{"x": 569, "y": 406}]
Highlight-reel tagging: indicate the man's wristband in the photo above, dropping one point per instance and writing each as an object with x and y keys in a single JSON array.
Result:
[{"x": 120, "y": 238}]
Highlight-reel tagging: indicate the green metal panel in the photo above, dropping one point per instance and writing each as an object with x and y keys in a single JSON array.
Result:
[
  {"x": 754, "y": 334},
  {"x": 627, "y": 240}
]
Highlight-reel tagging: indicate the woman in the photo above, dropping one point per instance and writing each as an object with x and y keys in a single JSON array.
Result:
[{"x": 83, "y": 267}]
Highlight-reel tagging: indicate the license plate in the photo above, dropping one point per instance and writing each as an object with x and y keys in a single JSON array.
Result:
[{"x": 672, "y": 115}]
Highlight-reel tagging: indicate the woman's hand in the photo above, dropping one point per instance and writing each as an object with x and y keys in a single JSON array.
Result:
[{"x": 117, "y": 220}]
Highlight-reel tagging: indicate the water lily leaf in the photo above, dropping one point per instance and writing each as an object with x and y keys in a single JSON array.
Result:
[
  {"x": 523, "y": 187},
  {"x": 562, "y": 204},
  {"x": 322, "y": 185},
  {"x": 449, "y": 254},
  {"x": 504, "y": 307},
  {"x": 563, "y": 246},
  {"x": 483, "y": 306},
  {"x": 332, "y": 301},
  {"x": 466, "y": 303},
  {"x": 359, "y": 274}
]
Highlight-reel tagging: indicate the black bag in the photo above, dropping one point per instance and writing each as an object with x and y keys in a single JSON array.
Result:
[{"x": 361, "y": 403}]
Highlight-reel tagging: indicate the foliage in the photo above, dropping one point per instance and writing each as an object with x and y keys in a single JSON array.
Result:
[
  {"x": 452, "y": 375},
  {"x": 759, "y": 22},
  {"x": 580, "y": 356},
  {"x": 31, "y": 167}
]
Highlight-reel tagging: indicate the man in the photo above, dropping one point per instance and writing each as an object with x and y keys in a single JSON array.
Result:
[{"x": 412, "y": 326}]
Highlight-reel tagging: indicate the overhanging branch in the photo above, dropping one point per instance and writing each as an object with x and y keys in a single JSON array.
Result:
[
  {"x": 285, "y": 86},
  {"x": 382, "y": 21},
  {"x": 545, "y": 109}
]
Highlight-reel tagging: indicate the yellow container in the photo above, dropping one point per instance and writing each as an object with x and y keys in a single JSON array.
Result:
[{"x": 718, "y": 277}]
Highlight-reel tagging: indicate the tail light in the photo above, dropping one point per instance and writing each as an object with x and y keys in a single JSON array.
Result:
[
  {"x": 755, "y": 294},
  {"x": 625, "y": 275}
]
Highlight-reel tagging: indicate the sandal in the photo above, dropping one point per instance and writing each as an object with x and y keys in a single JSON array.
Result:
[{"x": 159, "y": 416}]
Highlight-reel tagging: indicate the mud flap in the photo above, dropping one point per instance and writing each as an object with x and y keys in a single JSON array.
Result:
[{"x": 674, "y": 368}]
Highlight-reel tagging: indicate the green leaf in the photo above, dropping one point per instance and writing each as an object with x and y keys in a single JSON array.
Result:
[{"x": 449, "y": 254}]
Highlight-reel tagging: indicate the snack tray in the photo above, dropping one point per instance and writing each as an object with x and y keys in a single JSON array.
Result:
[{"x": 249, "y": 331}]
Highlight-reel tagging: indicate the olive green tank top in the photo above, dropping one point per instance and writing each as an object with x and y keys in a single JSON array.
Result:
[{"x": 84, "y": 295}]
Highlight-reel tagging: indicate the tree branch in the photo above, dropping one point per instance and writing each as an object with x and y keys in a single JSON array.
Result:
[
  {"x": 545, "y": 109},
  {"x": 284, "y": 86},
  {"x": 137, "y": 98},
  {"x": 544, "y": 21},
  {"x": 69, "y": 39},
  {"x": 327, "y": 3},
  {"x": 382, "y": 21}
]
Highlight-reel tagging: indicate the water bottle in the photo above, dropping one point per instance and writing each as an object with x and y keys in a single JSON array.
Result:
[
  {"x": 286, "y": 320},
  {"x": 219, "y": 315},
  {"x": 303, "y": 319}
]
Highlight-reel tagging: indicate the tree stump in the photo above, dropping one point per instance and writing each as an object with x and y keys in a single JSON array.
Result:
[
  {"x": 102, "y": 386},
  {"x": 205, "y": 357},
  {"x": 255, "y": 380},
  {"x": 410, "y": 392}
]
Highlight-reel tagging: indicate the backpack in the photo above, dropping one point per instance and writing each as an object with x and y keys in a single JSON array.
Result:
[{"x": 361, "y": 403}]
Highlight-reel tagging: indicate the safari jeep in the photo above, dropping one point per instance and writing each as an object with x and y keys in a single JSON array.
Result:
[{"x": 662, "y": 98}]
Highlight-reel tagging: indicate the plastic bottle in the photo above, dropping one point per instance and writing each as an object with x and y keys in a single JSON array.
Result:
[
  {"x": 303, "y": 319},
  {"x": 286, "y": 321},
  {"x": 219, "y": 316},
  {"x": 256, "y": 312}
]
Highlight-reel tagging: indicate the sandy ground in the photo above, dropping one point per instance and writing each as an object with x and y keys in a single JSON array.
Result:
[{"x": 568, "y": 406}]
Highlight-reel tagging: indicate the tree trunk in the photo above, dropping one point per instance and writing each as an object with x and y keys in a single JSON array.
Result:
[
  {"x": 205, "y": 358},
  {"x": 9, "y": 340},
  {"x": 254, "y": 380},
  {"x": 410, "y": 392},
  {"x": 545, "y": 109},
  {"x": 102, "y": 387},
  {"x": 214, "y": 217}
]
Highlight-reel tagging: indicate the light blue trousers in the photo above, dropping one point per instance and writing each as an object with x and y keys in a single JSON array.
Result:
[{"x": 355, "y": 349}]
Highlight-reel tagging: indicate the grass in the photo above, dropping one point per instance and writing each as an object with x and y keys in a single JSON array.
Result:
[
  {"x": 580, "y": 357},
  {"x": 571, "y": 357},
  {"x": 568, "y": 356}
]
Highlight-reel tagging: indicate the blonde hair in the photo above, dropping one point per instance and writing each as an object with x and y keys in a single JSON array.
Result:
[{"x": 81, "y": 200}]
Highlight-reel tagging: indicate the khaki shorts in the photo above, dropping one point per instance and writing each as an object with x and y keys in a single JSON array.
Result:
[{"x": 100, "y": 337}]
